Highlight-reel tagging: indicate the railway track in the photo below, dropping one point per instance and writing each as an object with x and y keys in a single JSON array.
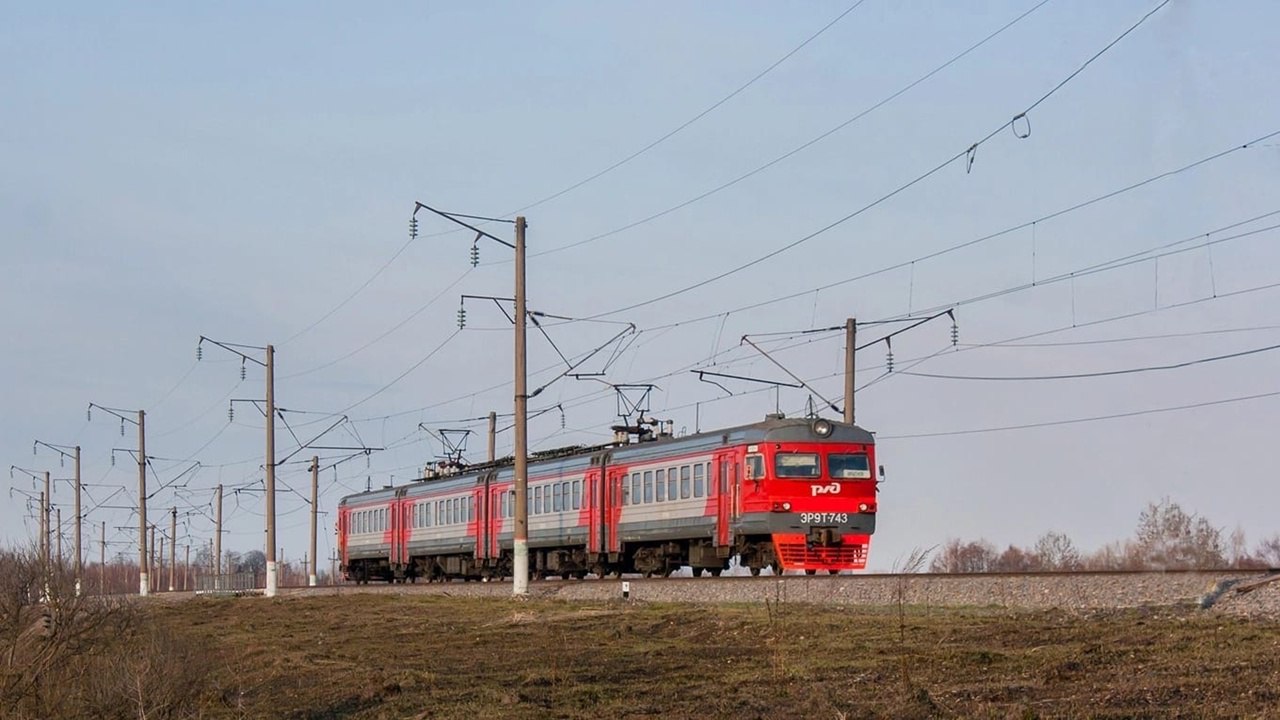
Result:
[{"x": 1086, "y": 590}]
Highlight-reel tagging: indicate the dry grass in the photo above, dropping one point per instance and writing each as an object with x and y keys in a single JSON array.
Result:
[{"x": 387, "y": 656}]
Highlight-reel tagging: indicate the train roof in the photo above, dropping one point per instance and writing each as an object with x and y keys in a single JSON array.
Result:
[{"x": 772, "y": 429}]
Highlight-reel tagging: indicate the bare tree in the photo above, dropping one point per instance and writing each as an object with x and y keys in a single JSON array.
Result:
[
  {"x": 1169, "y": 538},
  {"x": 957, "y": 556},
  {"x": 1055, "y": 551}
]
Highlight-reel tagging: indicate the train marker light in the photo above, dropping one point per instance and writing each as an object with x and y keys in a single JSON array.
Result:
[{"x": 786, "y": 506}]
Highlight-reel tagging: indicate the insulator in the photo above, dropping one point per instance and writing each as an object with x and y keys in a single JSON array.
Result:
[
  {"x": 413, "y": 228},
  {"x": 888, "y": 361},
  {"x": 113, "y": 459},
  {"x": 475, "y": 255},
  {"x": 955, "y": 334},
  {"x": 88, "y": 414},
  {"x": 231, "y": 413},
  {"x": 121, "y": 427},
  {"x": 462, "y": 318},
  {"x": 242, "y": 372},
  {"x": 199, "y": 353},
  {"x": 33, "y": 450},
  {"x": 562, "y": 421}
]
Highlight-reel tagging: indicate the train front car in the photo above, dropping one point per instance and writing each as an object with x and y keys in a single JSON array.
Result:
[{"x": 810, "y": 487}]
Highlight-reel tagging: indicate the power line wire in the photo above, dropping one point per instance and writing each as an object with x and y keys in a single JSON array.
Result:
[
  {"x": 967, "y": 152},
  {"x": 798, "y": 149},
  {"x": 1105, "y": 373},
  {"x": 692, "y": 120},
  {"x": 1073, "y": 421}
]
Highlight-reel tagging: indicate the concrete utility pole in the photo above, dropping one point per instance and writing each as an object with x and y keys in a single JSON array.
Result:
[
  {"x": 315, "y": 500},
  {"x": 520, "y": 581},
  {"x": 58, "y": 533},
  {"x": 272, "y": 581},
  {"x": 173, "y": 547},
  {"x": 150, "y": 561},
  {"x": 186, "y": 566},
  {"x": 79, "y": 564},
  {"x": 46, "y": 500},
  {"x": 102, "y": 559},
  {"x": 850, "y": 342},
  {"x": 160, "y": 563},
  {"x": 217, "y": 535},
  {"x": 144, "y": 582},
  {"x": 493, "y": 435}
]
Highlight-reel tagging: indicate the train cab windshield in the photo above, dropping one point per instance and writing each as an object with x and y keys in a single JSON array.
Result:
[
  {"x": 796, "y": 465},
  {"x": 852, "y": 466}
]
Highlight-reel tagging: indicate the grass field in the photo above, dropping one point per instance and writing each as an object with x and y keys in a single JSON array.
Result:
[{"x": 418, "y": 656}]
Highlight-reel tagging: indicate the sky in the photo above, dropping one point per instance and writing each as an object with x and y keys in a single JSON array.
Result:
[{"x": 247, "y": 174}]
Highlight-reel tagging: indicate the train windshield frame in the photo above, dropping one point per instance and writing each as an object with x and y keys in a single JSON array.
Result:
[
  {"x": 849, "y": 466},
  {"x": 799, "y": 465}
]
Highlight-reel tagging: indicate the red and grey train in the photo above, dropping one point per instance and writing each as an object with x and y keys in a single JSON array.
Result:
[{"x": 787, "y": 494}]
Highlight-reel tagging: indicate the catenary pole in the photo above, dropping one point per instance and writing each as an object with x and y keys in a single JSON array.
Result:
[
  {"x": 46, "y": 500},
  {"x": 272, "y": 582},
  {"x": 144, "y": 581},
  {"x": 79, "y": 564},
  {"x": 217, "y": 536},
  {"x": 315, "y": 498},
  {"x": 151, "y": 559},
  {"x": 520, "y": 580},
  {"x": 58, "y": 534},
  {"x": 493, "y": 435},
  {"x": 102, "y": 559},
  {"x": 173, "y": 547},
  {"x": 850, "y": 342}
]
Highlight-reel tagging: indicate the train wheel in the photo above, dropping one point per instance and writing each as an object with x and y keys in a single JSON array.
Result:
[
  {"x": 776, "y": 567},
  {"x": 833, "y": 572},
  {"x": 810, "y": 572},
  {"x": 755, "y": 572},
  {"x": 715, "y": 572},
  {"x": 580, "y": 575},
  {"x": 697, "y": 572}
]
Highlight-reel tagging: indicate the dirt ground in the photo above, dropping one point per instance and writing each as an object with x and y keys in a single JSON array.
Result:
[{"x": 432, "y": 656}]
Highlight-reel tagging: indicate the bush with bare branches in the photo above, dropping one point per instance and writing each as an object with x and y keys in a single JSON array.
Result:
[{"x": 64, "y": 655}]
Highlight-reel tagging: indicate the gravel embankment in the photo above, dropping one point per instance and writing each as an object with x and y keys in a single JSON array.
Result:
[{"x": 1045, "y": 591}]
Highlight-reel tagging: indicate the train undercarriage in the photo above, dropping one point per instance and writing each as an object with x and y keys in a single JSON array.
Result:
[{"x": 650, "y": 559}]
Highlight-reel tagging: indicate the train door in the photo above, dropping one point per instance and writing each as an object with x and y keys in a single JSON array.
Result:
[
  {"x": 595, "y": 510},
  {"x": 344, "y": 530},
  {"x": 725, "y": 486},
  {"x": 480, "y": 526},
  {"x": 613, "y": 507}
]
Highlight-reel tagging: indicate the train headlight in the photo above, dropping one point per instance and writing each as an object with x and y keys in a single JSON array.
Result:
[
  {"x": 822, "y": 427},
  {"x": 786, "y": 506},
  {"x": 863, "y": 507}
]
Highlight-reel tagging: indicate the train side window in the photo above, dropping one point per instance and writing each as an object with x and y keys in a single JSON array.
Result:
[
  {"x": 557, "y": 498},
  {"x": 699, "y": 481},
  {"x": 637, "y": 493},
  {"x": 648, "y": 490},
  {"x": 626, "y": 491},
  {"x": 660, "y": 479},
  {"x": 577, "y": 494},
  {"x": 671, "y": 481},
  {"x": 755, "y": 467},
  {"x": 661, "y": 494},
  {"x": 504, "y": 503}
]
